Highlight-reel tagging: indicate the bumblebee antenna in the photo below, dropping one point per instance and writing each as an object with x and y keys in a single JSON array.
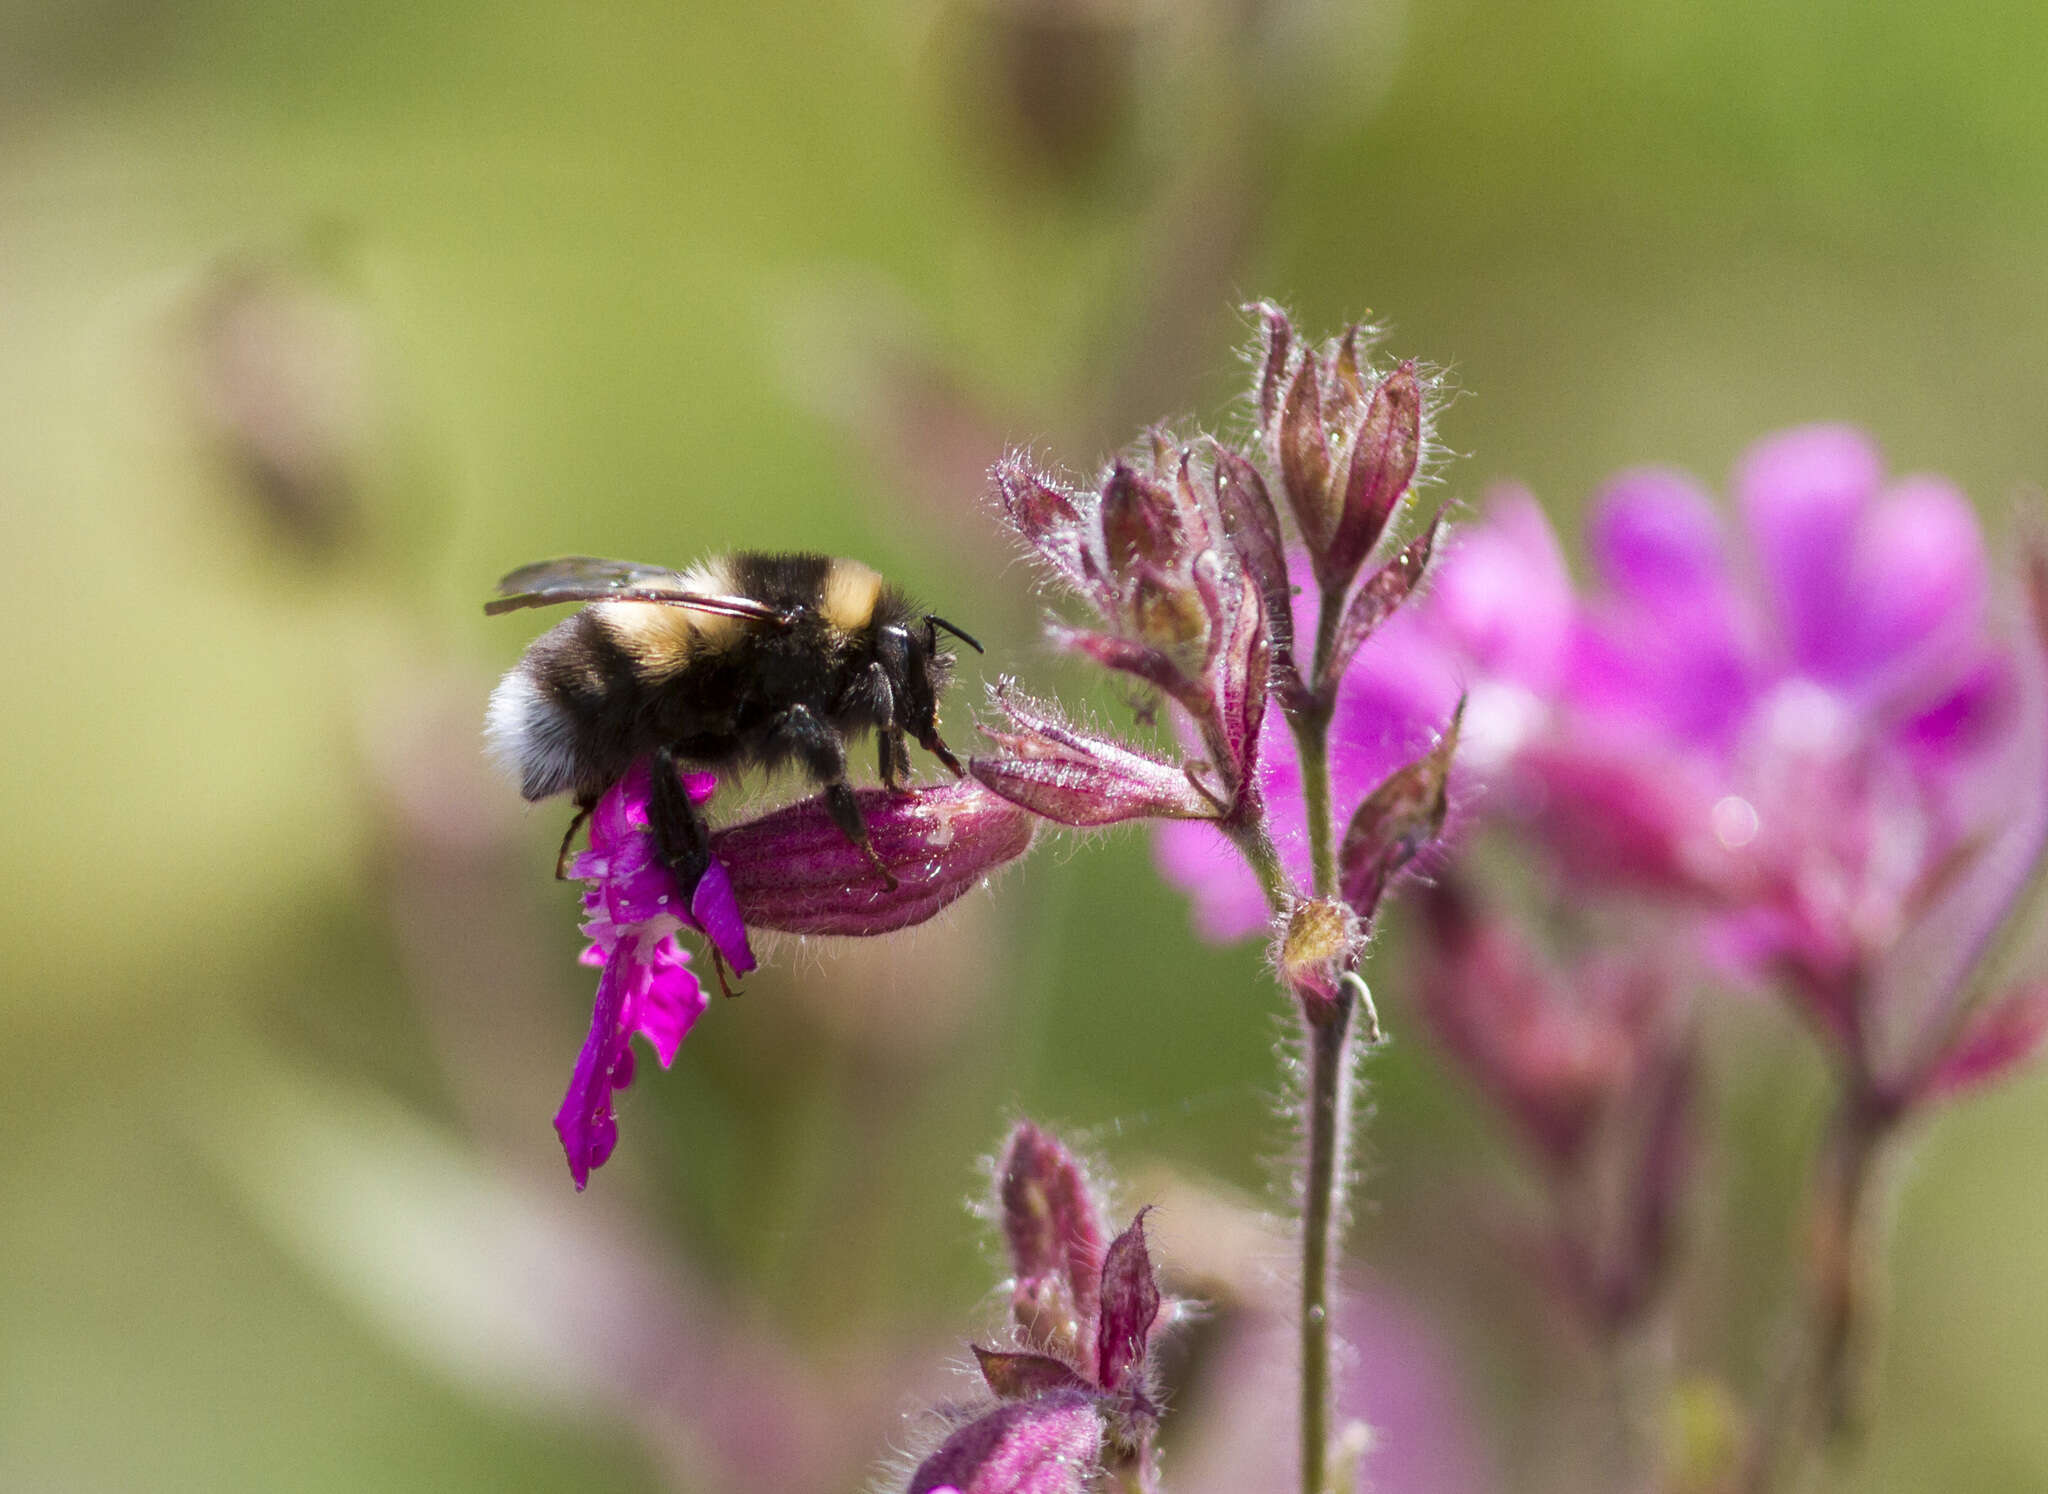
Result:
[{"x": 934, "y": 621}]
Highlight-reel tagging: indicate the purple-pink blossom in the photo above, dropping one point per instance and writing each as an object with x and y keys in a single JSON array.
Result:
[
  {"x": 633, "y": 910},
  {"x": 1799, "y": 726},
  {"x": 791, "y": 869}
]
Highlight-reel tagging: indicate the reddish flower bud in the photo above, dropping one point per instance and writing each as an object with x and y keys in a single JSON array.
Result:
[
  {"x": 1054, "y": 1232},
  {"x": 1376, "y": 601},
  {"x": 1253, "y": 528},
  {"x": 1140, "y": 521},
  {"x": 1384, "y": 453},
  {"x": 1050, "y": 1445},
  {"x": 795, "y": 870},
  {"x": 1301, "y": 447},
  {"x": 1400, "y": 817},
  {"x": 1076, "y": 777},
  {"x": 1346, "y": 459},
  {"x": 1129, "y": 1307},
  {"x": 1056, "y": 522}
]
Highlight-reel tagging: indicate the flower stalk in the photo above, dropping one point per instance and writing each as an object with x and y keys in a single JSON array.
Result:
[
  {"x": 1180, "y": 553},
  {"x": 1327, "y": 1104}
]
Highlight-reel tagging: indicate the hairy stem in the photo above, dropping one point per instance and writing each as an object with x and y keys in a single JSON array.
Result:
[
  {"x": 1329, "y": 1093},
  {"x": 1312, "y": 743},
  {"x": 1326, "y": 1117}
]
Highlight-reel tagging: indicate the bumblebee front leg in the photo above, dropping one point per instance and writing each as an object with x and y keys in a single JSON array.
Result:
[
  {"x": 804, "y": 736},
  {"x": 895, "y": 758},
  {"x": 680, "y": 835}
]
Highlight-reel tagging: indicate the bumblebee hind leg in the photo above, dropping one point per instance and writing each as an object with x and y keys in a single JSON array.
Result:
[{"x": 680, "y": 835}]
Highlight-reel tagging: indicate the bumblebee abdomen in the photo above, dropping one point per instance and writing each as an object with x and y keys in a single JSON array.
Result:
[{"x": 568, "y": 714}]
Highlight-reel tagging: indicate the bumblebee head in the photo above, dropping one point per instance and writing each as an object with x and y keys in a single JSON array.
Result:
[{"x": 919, "y": 671}]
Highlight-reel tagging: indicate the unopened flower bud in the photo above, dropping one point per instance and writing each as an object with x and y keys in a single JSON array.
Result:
[
  {"x": 1050, "y": 1220},
  {"x": 1400, "y": 817},
  {"x": 1253, "y": 527},
  {"x": 1129, "y": 1307},
  {"x": 1383, "y": 451},
  {"x": 1346, "y": 448},
  {"x": 1140, "y": 521},
  {"x": 795, "y": 870},
  {"x": 1076, "y": 777},
  {"x": 1057, "y": 522},
  {"x": 1049, "y": 1445}
]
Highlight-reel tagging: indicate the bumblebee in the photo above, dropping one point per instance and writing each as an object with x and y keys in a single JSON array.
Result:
[{"x": 747, "y": 660}]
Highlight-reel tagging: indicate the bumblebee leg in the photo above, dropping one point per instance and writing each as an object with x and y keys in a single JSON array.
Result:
[
  {"x": 892, "y": 758},
  {"x": 895, "y": 758},
  {"x": 845, "y": 811},
  {"x": 935, "y": 745},
  {"x": 583, "y": 808},
  {"x": 680, "y": 834},
  {"x": 817, "y": 746}
]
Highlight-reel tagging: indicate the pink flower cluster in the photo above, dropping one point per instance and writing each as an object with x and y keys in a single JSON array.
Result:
[{"x": 1805, "y": 733}]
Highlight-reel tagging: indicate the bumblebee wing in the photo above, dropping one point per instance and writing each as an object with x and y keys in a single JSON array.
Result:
[{"x": 587, "y": 578}]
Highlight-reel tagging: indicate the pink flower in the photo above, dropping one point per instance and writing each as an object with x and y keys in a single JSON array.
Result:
[
  {"x": 792, "y": 869},
  {"x": 1808, "y": 733},
  {"x": 1833, "y": 737},
  {"x": 633, "y": 909}
]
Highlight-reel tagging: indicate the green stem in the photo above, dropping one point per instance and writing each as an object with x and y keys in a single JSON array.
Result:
[
  {"x": 1312, "y": 746},
  {"x": 1326, "y": 1119},
  {"x": 1329, "y": 1093}
]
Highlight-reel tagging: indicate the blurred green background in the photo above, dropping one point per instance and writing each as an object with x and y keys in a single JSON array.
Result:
[{"x": 314, "y": 319}]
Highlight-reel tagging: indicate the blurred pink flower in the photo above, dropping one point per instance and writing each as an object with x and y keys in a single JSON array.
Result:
[
  {"x": 1830, "y": 731},
  {"x": 1812, "y": 735}
]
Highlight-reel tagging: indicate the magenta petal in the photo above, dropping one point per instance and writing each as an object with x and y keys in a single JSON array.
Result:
[
  {"x": 1658, "y": 540},
  {"x": 670, "y": 1002},
  {"x": 1803, "y": 496},
  {"x": 716, "y": 912},
  {"x": 1919, "y": 577},
  {"x": 1503, "y": 595},
  {"x": 585, "y": 1122}
]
